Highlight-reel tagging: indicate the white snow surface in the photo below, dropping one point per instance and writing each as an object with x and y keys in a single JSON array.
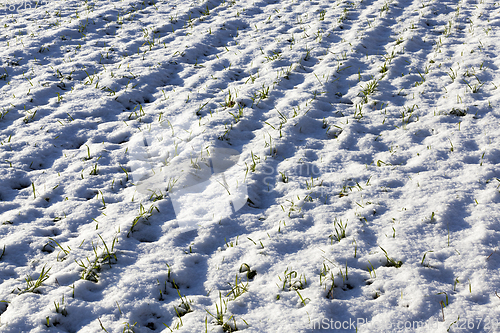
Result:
[{"x": 368, "y": 141}]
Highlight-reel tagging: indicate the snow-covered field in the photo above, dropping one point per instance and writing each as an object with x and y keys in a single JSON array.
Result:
[{"x": 260, "y": 166}]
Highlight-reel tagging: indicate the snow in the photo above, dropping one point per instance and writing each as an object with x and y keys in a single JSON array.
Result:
[{"x": 260, "y": 166}]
